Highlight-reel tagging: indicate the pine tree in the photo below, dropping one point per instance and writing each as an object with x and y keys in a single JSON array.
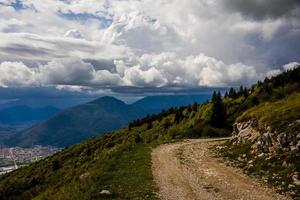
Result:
[
  {"x": 149, "y": 125},
  {"x": 232, "y": 93},
  {"x": 226, "y": 95},
  {"x": 218, "y": 117},
  {"x": 195, "y": 106},
  {"x": 129, "y": 126},
  {"x": 178, "y": 116}
]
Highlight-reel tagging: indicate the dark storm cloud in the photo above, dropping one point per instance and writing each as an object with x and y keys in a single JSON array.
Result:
[
  {"x": 146, "y": 91},
  {"x": 260, "y": 9},
  {"x": 102, "y": 64}
]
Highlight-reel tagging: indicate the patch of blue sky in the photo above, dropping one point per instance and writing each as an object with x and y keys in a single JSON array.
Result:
[
  {"x": 18, "y": 5},
  {"x": 83, "y": 17}
]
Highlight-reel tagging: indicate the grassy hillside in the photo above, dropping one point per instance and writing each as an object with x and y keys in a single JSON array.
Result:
[
  {"x": 120, "y": 161},
  {"x": 275, "y": 168},
  {"x": 276, "y": 104},
  {"x": 280, "y": 115}
]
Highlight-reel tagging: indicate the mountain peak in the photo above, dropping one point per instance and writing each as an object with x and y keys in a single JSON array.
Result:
[{"x": 107, "y": 99}]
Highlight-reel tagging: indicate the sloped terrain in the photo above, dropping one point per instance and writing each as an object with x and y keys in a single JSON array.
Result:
[
  {"x": 78, "y": 123},
  {"x": 266, "y": 142}
]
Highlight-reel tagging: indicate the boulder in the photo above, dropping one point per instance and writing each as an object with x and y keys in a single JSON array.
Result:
[
  {"x": 295, "y": 178},
  {"x": 105, "y": 192}
]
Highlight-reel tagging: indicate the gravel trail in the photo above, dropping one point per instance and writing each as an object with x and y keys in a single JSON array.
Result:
[{"x": 188, "y": 171}]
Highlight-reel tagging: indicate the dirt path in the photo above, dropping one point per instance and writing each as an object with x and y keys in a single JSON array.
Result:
[{"x": 187, "y": 170}]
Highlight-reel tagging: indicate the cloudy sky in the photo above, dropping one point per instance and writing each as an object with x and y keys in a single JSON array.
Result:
[{"x": 140, "y": 47}]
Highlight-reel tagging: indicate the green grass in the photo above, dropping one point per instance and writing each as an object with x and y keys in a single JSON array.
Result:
[
  {"x": 279, "y": 115},
  {"x": 83, "y": 171},
  {"x": 130, "y": 177}
]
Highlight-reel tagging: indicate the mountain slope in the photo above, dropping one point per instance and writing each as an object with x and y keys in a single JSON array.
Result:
[
  {"x": 121, "y": 163},
  {"x": 17, "y": 118},
  {"x": 78, "y": 123},
  {"x": 94, "y": 118}
]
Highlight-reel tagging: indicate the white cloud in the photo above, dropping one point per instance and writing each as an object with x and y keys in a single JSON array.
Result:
[
  {"x": 273, "y": 72},
  {"x": 70, "y": 74},
  {"x": 66, "y": 71},
  {"x": 104, "y": 77},
  {"x": 7, "y": 2},
  {"x": 73, "y": 33},
  {"x": 16, "y": 74},
  {"x": 169, "y": 69},
  {"x": 285, "y": 67},
  {"x": 149, "y": 70},
  {"x": 151, "y": 77},
  {"x": 71, "y": 88},
  {"x": 140, "y": 32},
  {"x": 290, "y": 65}
]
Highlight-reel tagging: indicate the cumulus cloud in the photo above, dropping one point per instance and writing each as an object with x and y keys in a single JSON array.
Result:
[
  {"x": 69, "y": 73},
  {"x": 199, "y": 70},
  {"x": 16, "y": 74},
  {"x": 151, "y": 70},
  {"x": 140, "y": 32},
  {"x": 66, "y": 71},
  {"x": 105, "y": 77},
  {"x": 151, "y": 77}
]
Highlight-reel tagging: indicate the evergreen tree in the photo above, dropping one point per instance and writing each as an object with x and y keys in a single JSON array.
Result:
[
  {"x": 149, "y": 125},
  {"x": 232, "y": 93},
  {"x": 226, "y": 95},
  {"x": 195, "y": 106},
  {"x": 214, "y": 97},
  {"x": 241, "y": 91},
  {"x": 178, "y": 116},
  {"x": 218, "y": 117}
]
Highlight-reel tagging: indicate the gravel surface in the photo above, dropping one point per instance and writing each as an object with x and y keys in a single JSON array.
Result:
[{"x": 187, "y": 170}]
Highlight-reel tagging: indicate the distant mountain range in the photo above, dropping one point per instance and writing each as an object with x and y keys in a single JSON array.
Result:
[
  {"x": 17, "y": 118},
  {"x": 21, "y": 114},
  {"x": 154, "y": 104},
  {"x": 94, "y": 118}
]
